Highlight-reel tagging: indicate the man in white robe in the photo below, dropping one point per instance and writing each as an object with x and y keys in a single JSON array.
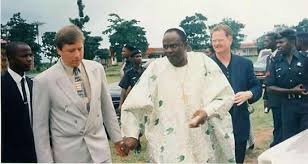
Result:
[{"x": 182, "y": 103}]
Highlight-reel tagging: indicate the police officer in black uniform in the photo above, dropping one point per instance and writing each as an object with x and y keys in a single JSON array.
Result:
[
  {"x": 133, "y": 74},
  {"x": 129, "y": 80},
  {"x": 286, "y": 78},
  {"x": 127, "y": 51},
  {"x": 272, "y": 101}
]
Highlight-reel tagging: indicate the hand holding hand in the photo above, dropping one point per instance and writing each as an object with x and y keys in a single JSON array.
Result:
[
  {"x": 197, "y": 119},
  {"x": 241, "y": 97},
  {"x": 121, "y": 149},
  {"x": 130, "y": 142}
]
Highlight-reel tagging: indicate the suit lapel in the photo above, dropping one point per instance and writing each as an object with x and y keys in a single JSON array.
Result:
[
  {"x": 30, "y": 85},
  {"x": 91, "y": 72},
  {"x": 235, "y": 68},
  {"x": 12, "y": 87},
  {"x": 67, "y": 87}
]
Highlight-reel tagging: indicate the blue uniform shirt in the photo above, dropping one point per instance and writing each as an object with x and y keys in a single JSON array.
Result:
[
  {"x": 285, "y": 75},
  {"x": 131, "y": 77}
]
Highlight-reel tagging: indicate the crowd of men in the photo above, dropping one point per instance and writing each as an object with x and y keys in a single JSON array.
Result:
[{"x": 191, "y": 108}]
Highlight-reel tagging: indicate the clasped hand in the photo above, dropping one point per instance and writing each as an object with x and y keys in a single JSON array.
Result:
[{"x": 123, "y": 147}]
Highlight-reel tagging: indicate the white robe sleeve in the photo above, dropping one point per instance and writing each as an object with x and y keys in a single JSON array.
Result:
[
  {"x": 217, "y": 106},
  {"x": 138, "y": 103},
  {"x": 219, "y": 96}
]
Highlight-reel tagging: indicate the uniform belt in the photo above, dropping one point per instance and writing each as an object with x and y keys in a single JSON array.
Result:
[{"x": 296, "y": 96}]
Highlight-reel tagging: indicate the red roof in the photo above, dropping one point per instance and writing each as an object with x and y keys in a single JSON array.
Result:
[{"x": 252, "y": 44}]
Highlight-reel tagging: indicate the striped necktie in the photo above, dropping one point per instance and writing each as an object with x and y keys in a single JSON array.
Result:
[{"x": 79, "y": 83}]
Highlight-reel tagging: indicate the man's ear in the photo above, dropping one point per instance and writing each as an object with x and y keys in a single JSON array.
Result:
[
  {"x": 185, "y": 45},
  {"x": 59, "y": 52},
  {"x": 230, "y": 38}
]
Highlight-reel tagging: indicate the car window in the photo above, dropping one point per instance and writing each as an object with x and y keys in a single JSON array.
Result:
[{"x": 262, "y": 59}]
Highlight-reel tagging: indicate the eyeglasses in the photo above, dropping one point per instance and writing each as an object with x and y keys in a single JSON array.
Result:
[{"x": 172, "y": 46}]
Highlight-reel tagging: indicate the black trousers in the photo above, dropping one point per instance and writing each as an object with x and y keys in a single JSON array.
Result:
[
  {"x": 294, "y": 117},
  {"x": 277, "y": 132},
  {"x": 240, "y": 151}
]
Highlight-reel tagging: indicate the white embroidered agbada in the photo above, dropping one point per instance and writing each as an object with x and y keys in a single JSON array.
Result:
[{"x": 163, "y": 102}]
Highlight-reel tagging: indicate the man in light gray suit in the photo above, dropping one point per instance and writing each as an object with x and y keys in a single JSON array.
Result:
[{"x": 72, "y": 107}]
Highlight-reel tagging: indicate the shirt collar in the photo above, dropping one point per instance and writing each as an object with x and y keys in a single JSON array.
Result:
[
  {"x": 17, "y": 78},
  {"x": 220, "y": 63},
  {"x": 68, "y": 69},
  {"x": 296, "y": 53}
]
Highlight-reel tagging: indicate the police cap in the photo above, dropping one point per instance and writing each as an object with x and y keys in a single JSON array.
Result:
[{"x": 289, "y": 34}]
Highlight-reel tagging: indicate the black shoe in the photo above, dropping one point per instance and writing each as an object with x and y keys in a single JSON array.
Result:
[
  {"x": 138, "y": 149},
  {"x": 251, "y": 147}
]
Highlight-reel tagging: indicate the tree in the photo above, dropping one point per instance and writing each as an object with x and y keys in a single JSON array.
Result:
[
  {"x": 102, "y": 53},
  {"x": 302, "y": 26},
  {"x": 236, "y": 28},
  {"x": 17, "y": 29},
  {"x": 280, "y": 27},
  {"x": 122, "y": 32},
  {"x": 260, "y": 43},
  {"x": 195, "y": 30},
  {"x": 91, "y": 43},
  {"x": 49, "y": 47}
]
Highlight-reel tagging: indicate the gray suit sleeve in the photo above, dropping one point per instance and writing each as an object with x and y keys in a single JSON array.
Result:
[
  {"x": 41, "y": 108},
  {"x": 108, "y": 111}
]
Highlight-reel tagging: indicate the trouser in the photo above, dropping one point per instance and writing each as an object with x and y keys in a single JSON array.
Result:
[
  {"x": 251, "y": 139},
  {"x": 277, "y": 132},
  {"x": 294, "y": 117},
  {"x": 240, "y": 150}
]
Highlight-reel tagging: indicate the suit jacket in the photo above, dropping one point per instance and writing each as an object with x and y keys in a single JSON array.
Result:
[
  {"x": 17, "y": 144},
  {"x": 306, "y": 72},
  {"x": 242, "y": 79},
  {"x": 64, "y": 130}
]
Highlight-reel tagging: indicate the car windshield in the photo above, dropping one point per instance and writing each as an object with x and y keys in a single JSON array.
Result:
[{"x": 263, "y": 56}]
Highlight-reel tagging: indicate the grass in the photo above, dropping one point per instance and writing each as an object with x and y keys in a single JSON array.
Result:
[
  {"x": 262, "y": 126},
  {"x": 113, "y": 73}
]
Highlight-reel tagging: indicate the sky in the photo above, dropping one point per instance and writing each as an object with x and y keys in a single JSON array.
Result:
[{"x": 156, "y": 16}]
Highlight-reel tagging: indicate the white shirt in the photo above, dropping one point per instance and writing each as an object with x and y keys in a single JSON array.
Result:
[{"x": 17, "y": 78}]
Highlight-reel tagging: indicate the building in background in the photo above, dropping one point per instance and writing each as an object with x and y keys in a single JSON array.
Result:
[{"x": 248, "y": 48}]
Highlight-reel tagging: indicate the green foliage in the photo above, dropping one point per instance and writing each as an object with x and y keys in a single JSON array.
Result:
[
  {"x": 236, "y": 28},
  {"x": 122, "y": 32},
  {"x": 195, "y": 29},
  {"x": 260, "y": 43},
  {"x": 280, "y": 27},
  {"x": 91, "y": 43},
  {"x": 82, "y": 18},
  {"x": 17, "y": 29},
  {"x": 302, "y": 26},
  {"x": 49, "y": 47},
  {"x": 102, "y": 53}
]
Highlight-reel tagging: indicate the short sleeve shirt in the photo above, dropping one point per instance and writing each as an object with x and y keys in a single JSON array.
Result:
[{"x": 131, "y": 77}]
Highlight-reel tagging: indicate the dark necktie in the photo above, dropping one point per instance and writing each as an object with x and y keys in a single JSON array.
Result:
[{"x": 25, "y": 100}]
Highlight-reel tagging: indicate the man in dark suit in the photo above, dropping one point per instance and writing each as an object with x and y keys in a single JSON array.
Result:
[
  {"x": 239, "y": 72},
  {"x": 17, "y": 144}
]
